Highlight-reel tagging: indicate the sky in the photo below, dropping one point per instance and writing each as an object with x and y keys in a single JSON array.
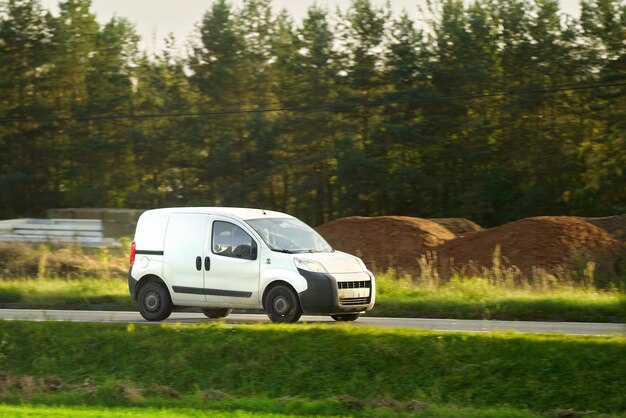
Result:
[{"x": 155, "y": 19}]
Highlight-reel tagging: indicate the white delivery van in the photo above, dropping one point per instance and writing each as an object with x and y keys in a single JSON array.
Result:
[{"x": 220, "y": 259}]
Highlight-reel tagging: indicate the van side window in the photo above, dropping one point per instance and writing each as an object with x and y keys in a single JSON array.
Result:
[{"x": 229, "y": 240}]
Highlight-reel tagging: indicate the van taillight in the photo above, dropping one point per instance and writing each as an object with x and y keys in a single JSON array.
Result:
[{"x": 133, "y": 249}]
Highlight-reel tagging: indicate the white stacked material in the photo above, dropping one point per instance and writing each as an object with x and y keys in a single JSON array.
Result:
[{"x": 82, "y": 232}]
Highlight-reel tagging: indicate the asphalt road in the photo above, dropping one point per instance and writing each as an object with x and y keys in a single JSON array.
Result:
[{"x": 574, "y": 328}]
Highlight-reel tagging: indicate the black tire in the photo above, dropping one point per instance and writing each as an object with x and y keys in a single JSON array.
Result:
[
  {"x": 346, "y": 317},
  {"x": 154, "y": 302},
  {"x": 282, "y": 305},
  {"x": 216, "y": 312}
]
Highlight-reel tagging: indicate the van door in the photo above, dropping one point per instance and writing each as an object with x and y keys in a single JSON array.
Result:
[
  {"x": 231, "y": 276},
  {"x": 182, "y": 256}
]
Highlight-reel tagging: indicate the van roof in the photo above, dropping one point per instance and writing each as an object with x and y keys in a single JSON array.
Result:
[{"x": 243, "y": 213}]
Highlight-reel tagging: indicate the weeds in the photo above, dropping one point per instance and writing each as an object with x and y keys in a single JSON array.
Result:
[
  {"x": 494, "y": 297},
  {"x": 44, "y": 261},
  {"x": 19, "y": 260},
  {"x": 75, "y": 278},
  {"x": 79, "y": 293},
  {"x": 256, "y": 407},
  {"x": 435, "y": 274}
]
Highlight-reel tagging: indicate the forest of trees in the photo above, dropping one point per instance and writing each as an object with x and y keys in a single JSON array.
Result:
[{"x": 492, "y": 110}]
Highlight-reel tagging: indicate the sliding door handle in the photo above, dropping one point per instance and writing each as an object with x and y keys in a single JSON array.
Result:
[
  {"x": 207, "y": 263},
  {"x": 198, "y": 263}
]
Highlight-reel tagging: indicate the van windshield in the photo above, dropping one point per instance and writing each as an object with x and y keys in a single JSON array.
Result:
[{"x": 289, "y": 235}]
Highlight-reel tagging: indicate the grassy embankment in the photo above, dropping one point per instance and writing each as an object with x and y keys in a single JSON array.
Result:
[
  {"x": 308, "y": 370},
  {"x": 223, "y": 411},
  {"x": 74, "y": 278}
]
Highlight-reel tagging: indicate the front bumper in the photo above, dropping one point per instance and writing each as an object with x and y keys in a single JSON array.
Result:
[{"x": 325, "y": 295}]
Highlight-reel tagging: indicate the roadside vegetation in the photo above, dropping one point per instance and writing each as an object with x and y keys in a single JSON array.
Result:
[
  {"x": 221, "y": 411},
  {"x": 461, "y": 298},
  {"x": 485, "y": 298},
  {"x": 40, "y": 276},
  {"x": 81, "y": 293},
  {"x": 309, "y": 369}
]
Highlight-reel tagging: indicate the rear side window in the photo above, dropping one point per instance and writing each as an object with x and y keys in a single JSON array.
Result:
[{"x": 229, "y": 240}]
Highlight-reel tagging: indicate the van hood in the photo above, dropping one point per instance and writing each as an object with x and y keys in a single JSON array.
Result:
[{"x": 335, "y": 262}]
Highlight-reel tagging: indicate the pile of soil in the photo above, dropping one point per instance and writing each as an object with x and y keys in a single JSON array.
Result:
[
  {"x": 614, "y": 225},
  {"x": 458, "y": 226},
  {"x": 385, "y": 242},
  {"x": 547, "y": 242}
]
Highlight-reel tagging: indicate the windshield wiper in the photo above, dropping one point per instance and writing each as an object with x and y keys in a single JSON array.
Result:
[{"x": 282, "y": 250}]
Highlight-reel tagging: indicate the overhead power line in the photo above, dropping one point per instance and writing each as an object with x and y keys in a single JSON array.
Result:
[{"x": 321, "y": 106}]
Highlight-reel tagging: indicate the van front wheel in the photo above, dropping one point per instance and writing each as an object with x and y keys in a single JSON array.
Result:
[
  {"x": 346, "y": 317},
  {"x": 282, "y": 305},
  {"x": 154, "y": 302}
]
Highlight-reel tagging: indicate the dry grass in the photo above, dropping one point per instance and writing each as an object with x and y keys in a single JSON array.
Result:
[
  {"x": 504, "y": 275},
  {"x": 499, "y": 292},
  {"x": 43, "y": 261},
  {"x": 20, "y": 260}
]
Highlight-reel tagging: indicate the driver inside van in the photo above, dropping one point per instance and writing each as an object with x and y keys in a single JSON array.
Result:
[{"x": 231, "y": 242}]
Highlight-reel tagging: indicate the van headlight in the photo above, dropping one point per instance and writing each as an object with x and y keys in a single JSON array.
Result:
[{"x": 309, "y": 265}]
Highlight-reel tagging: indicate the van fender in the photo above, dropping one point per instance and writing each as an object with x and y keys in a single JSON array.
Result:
[
  {"x": 273, "y": 275},
  {"x": 139, "y": 270}
]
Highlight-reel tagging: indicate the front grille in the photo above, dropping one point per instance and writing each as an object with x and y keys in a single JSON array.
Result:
[
  {"x": 364, "y": 284},
  {"x": 354, "y": 301}
]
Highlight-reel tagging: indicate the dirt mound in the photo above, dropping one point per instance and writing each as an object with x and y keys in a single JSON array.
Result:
[
  {"x": 547, "y": 242},
  {"x": 385, "y": 241},
  {"x": 458, "y": 226},
  {"x": 614, "y": 225}
]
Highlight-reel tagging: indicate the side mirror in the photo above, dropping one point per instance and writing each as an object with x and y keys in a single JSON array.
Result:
[{"x": 254, "y": 251}]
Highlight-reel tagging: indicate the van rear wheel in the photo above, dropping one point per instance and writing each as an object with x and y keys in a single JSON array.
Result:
[
  {"x": 282, "y": 305},
  {"x": 346, "y": 317},
  {"x": 216, "y": 312},
  {"x": 154, "y": 302}
]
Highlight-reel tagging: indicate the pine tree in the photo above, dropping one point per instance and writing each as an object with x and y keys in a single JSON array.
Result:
[
  {"x": 166, "y": 150},
  {"x": 304, "y": 68},
  {"x": 218, "y": 77},
  {"x": 403, "y": 139},
  {"x": 604, "y": 144},
  {"x": 74, "y": 36},
  {"x": 26, "y": 155},
  {"x": 101, "y": 152},
  {"x": 361, "y": 162}
]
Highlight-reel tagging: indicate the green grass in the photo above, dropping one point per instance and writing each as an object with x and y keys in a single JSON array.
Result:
[
  {"x": 478, "y": 298},
  {"x": 44, "y": 411},
  {"x": 82, "y": 293},
  {"x": 40, "y": 411},
  {"x": 307, "y": 369},
  {"x": 473, "y": 298}
]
